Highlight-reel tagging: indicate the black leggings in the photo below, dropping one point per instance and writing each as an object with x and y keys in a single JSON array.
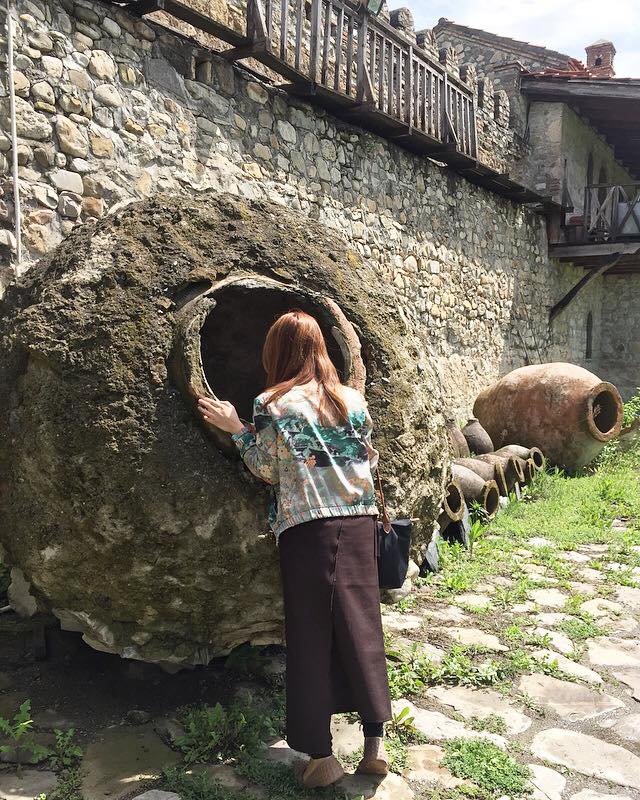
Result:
[{"x": 370, "y": 729}]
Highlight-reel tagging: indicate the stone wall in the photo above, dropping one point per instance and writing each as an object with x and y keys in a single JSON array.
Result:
[
  {"x": 499, "y": 146},
  {"x": 559, "y": 168},
  {"x": 487, "y": 50},
  {"x": 620, "y": 332},
  {"x": 109, "y": 112}
]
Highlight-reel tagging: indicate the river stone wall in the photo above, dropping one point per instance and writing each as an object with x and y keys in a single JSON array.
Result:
[{"x": 109, "y": 112}]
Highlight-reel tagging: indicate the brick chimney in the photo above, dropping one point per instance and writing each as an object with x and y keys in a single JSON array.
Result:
[{"x": 600, "y": 56}]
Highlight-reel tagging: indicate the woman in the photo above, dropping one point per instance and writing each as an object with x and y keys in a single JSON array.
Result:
[{"x": 311, "y": 440}]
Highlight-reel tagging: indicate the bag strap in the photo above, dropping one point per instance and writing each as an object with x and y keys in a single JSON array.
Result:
[{"x": 386, "y": 522}]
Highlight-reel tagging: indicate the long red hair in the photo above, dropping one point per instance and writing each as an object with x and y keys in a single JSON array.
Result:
[{"x": 295, "y": 353}]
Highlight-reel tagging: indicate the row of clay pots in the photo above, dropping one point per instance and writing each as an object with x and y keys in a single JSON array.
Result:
[
  {"x": 470, "y": 440},
  {"x": 510, "y": 466},
  {"x": 563, "y": 409}
]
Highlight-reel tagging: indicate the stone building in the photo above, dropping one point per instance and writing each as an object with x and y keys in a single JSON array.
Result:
[
  {"x": 461, "y": 212},
  {"x": 583, "y": 127}
]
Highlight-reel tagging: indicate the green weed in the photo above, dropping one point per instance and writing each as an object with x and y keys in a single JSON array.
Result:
[
  {"x": 20, "y": 735},
  {"x": 487, "y": 766},
  {"x": 491, "y": 723},
  {"x": 214, "y": 733},
  {"x": 580, "y": 628}
]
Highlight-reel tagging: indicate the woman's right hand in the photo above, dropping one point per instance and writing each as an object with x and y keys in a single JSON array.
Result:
[{"x": 221, "y": 414}]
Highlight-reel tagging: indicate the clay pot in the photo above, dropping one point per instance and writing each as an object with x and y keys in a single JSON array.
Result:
[
  {"x": 459, "y": 446},
  {"x": 512, "y": 467},
  {"x": 563, "y": 409},
  {"x": 531, "y": 470},
  {"x": 477, "y": 438},
  {"x": 487, "y": 471},
  {"x": 453, "y": 505},
  {"x": 474, "y": 488},
  {"x": 458, "y": 532},
  {"x": 526, "y": 453}
]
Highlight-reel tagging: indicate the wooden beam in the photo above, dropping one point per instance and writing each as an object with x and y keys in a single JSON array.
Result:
[
  {"x": 579, "y": 251},
  {"x": 585, "y": 281},
  {"x": 238, "y": 53},
  {"x": 143, "y": 7}
]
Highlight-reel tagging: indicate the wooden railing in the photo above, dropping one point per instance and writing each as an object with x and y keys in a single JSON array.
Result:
[
  {"x": 341, "y": 50},
  {"x": 612, "y": 212}
]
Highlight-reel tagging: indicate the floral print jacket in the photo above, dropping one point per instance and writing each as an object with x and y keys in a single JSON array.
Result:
[{"x": 315, "y": 471}]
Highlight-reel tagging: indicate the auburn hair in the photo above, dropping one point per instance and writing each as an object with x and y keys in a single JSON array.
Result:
[{"x": 295, "y": 353}]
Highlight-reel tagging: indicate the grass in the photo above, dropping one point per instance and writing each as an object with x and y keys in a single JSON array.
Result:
[
  {"x": 567, "y": 512},
  {"x": 487, "y": 766},
  {"x": 571, "y": 512},
  {"x": 515, "y": 633},
  {"x": 275, "y": 781},
  {"x": 217, "y": 733},
  {"x": 580, "y": 628},
  {"x": 411, "y": 673},
  {"x": 491, "y": 724}
]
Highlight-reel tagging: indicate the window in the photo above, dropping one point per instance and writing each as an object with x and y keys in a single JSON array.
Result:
[
  {"x": 589, "y": 347},
  {"x": 598, "y": 61}
]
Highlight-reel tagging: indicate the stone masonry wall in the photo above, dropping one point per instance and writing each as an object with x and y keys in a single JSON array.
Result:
[
  {"x": 108, "y": 113},
  {"x": 620, "y": 332},
  {"x": 487, "y": 50},
  {"x": 560, "y": 167}
]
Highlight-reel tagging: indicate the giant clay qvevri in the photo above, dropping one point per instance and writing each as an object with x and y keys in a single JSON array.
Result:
[
  {"x": 563, "y": 409},
  {"x": 133, "y": 524}
]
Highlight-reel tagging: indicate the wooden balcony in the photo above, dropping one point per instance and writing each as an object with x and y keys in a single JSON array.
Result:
[
  {"x": 607, "y": 232},
  {"x": 336, "y": 55},
  {"x": 334, "y": 52}
]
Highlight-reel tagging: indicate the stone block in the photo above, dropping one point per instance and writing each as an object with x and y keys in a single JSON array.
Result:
[
  {"x": 71, "y": 138},
  {"x": 66, "y": 181}
]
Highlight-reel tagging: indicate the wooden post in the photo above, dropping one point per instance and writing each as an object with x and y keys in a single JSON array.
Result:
[
  {"x": 443, "y": 109},
  {"x": 268, "y": 15},
  {"x": 299, "y": 30},
  {"x": 591, "y": 275},
  {"x": 316, "y": 22},
  {"x": 326, "y": 42},
  {"x": 363, "y": 35},
  {"x": 349, "y": 79},
  {"x": 474, "y": 127},
  {"x": 284, "y": 29},
  {"x": 339, "y": 36},
  {"x": 408, "y": 89}
]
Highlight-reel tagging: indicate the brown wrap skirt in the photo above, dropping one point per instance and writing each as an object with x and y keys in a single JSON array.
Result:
[{"x": 335, "y": 648}]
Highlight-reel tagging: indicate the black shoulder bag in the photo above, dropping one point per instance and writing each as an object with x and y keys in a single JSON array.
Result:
[{"x": 393, "y": 545}]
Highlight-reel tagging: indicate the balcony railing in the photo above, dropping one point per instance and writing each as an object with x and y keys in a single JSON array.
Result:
[
  {"x": 360, "y": 61},
  {"x": 612, "y": 213},
  {"x": 361, "y": 69}
]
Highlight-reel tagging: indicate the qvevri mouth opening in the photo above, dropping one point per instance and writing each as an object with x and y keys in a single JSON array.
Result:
[
  {"x": 605, "y": 412},
  {"x": 491, "y": 499},
  {"x": 234, "y": 332},
  {"x": 454, "y": 501}
]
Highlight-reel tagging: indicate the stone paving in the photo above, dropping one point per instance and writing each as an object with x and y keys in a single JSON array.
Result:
[
  {"x": 572, "y": 717},
  {"x": 578, "y": 729}
]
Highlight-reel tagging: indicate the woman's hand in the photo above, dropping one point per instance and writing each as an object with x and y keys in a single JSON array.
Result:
[{"x": 220, "y": 413}]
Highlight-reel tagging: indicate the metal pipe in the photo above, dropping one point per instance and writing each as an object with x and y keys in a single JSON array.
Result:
[{"x": 14, "y": 140}]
